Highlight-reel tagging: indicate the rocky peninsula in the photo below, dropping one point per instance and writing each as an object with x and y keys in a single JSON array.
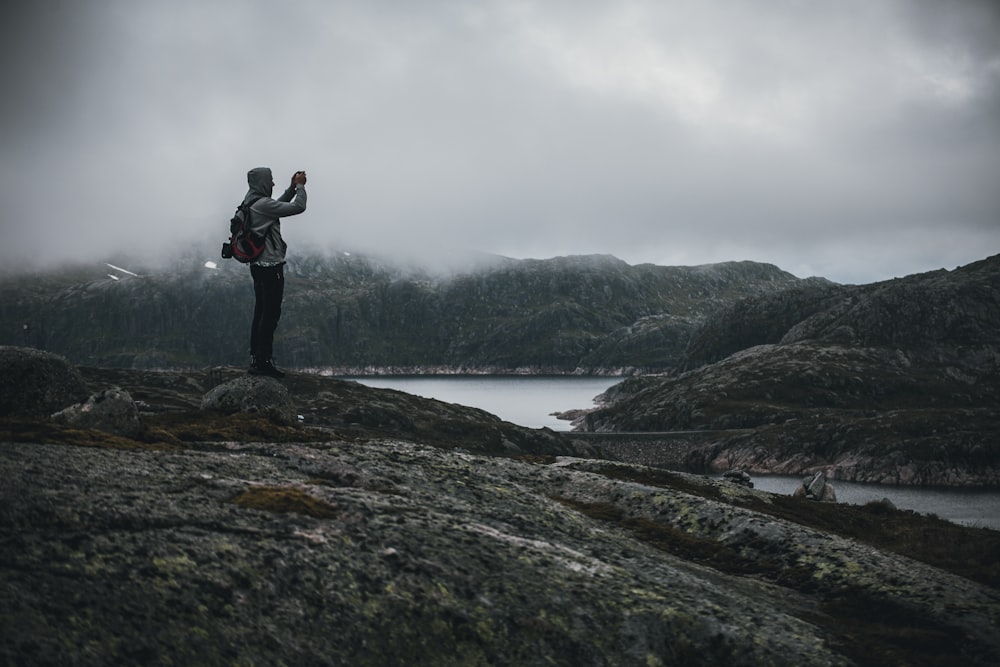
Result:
[
  {"x": 321, "y": 522},
  {"x": 895, "y": 383}
]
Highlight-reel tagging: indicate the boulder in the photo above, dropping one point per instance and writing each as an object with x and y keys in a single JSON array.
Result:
[
  {"x": 111, "y": 410},
  {"x": 815, "y": 487},
  {"x": 740, "y": 477},
  {"x": 34, "y": 383},
  {"x": 252, "y": 394}
]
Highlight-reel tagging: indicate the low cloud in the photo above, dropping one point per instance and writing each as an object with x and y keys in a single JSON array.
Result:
[{"x": 856, "y": 141}]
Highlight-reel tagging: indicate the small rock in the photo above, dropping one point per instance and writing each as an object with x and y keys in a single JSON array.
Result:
[
  {"x": 740, "y": 477},
  {"x": 111, "y": 410}
]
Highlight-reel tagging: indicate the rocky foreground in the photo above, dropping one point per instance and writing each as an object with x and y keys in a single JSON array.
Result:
[{"x": 385, "y": 529}]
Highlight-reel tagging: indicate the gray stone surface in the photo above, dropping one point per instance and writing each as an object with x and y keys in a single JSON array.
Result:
[
  {"x": 35, "y": 383},
  {"x": 401, "y": 534},
  {"x": 391, "y": 553},
  {"x": 252, "y": 394},
  {"x": 111, "y": 410},
  {"x": 815, "y": 487}
]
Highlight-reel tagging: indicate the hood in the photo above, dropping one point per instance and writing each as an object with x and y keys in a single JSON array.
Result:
[{"x": 259, "y": 179}]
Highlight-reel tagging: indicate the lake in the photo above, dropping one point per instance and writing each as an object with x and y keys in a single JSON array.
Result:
[
  {"x": 526, "y": 400},
  {"x": 529, "y": 400},
  {"x": 969, "y": 507}
]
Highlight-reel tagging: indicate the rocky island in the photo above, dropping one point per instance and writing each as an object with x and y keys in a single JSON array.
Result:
[{"x": 321, "y": 522}]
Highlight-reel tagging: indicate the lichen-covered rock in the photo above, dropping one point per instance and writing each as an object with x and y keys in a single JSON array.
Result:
[
  {"x": 36, "y": 383},
  {"x": 252, "y": 394},
  {"x": 111, "y": 410},
  {"x": 392, "y": 553}
]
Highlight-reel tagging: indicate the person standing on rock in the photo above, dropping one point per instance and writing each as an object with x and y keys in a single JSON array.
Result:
[{"x": 268, "y": 269}]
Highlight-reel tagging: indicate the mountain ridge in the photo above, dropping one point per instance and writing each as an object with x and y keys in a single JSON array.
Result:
[{"x": 592, "y": 313}]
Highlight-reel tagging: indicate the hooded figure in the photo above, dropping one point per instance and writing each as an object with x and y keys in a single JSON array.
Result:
[
  {"x": 265, "y": 212},
  {"x": 268, "y": 269}
]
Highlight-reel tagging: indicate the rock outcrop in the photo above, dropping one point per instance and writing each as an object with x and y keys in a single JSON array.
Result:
[
  {"x": 111, "y": 410},
  {"x": 387, "y": 552},
  {"x": 252, "y": 394},
  {"x": 35, "y": 383},
  {"x": 815, "y": 487},
  {"x": 741, "y": 477},
  {"x": 897, "y": 383},
  {"x": 390, "y": 529}
]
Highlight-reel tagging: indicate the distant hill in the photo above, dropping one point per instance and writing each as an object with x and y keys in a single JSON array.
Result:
[
  {"x": 895, "y": 382},
  {"x": 582, "y": 313}
]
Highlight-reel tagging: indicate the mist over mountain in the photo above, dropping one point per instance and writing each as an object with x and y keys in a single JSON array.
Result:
[{"x": 590, "y": 313}]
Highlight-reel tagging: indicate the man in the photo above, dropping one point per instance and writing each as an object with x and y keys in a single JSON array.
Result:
[{"x": 268, "y": 269}]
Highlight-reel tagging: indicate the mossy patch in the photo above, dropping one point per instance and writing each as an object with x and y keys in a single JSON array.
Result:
[
  {"x": 54, "y": 433},
  {"x": 166, "y": 431},
  {"x": 197, "y": 426},
  {"x": 285, "y": 500}
]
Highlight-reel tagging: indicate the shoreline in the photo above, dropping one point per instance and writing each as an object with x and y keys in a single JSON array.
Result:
[{"x": 447, "y": 371}]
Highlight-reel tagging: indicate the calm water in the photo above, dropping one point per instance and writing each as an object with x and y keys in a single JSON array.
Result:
[
  {"x": 524, "y": 400},
  {"x": 968, "y": 507},
  {"x": 530, "y": 400}
]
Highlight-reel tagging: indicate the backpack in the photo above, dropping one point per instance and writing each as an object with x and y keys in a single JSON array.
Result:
[{"x": 243, "y": 245}]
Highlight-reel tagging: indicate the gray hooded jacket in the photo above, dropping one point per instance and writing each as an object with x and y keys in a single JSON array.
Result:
[{"x": 265, "y": 213}]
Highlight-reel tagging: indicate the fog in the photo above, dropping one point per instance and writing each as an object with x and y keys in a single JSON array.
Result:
[{"x": 854, "y": 140}]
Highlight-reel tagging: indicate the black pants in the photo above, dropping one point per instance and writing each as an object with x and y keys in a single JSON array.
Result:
[{"x": 268, "y": 290}]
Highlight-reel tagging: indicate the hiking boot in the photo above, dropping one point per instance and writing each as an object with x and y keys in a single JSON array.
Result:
[{"x": 266, "y": 368}]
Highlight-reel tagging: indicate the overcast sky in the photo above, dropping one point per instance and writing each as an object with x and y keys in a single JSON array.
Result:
[{"x": 853, "y": 139}]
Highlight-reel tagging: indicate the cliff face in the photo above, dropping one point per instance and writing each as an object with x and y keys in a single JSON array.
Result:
[
  {"x": 562, "y": 314},
  {"x": 895, "y": 382}
]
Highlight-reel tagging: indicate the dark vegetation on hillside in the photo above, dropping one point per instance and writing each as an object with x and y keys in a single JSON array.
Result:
[
  {"x": 895, "y": 382},
  {"x": 557, "y": 315}
]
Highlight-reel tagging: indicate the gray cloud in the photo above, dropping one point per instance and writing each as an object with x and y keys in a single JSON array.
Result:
[{"x": 853, "y": 140}]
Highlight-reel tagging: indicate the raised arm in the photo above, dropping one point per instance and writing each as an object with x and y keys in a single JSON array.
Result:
[{"x": 273, "y": 208}]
